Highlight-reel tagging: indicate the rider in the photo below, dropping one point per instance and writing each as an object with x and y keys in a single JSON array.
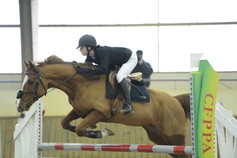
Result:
[{"x": 108, "y": 58}]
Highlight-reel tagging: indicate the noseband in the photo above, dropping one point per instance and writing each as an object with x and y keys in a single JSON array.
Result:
[{"x": 37, "y": 82}]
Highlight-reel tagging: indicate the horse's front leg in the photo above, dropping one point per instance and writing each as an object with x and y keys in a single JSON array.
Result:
[
  {"x": 72, "y": 115},
  {"x": 91, "y": 119}
]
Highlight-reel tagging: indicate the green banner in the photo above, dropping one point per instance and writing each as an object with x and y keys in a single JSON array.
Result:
[{"x": 205, "y": 86}]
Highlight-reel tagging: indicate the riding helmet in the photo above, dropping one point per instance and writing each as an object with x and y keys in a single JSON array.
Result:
[{"x": 87, "y": 40}]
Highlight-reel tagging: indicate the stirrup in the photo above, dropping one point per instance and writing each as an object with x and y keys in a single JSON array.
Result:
[{"x": 127, "y": 109}]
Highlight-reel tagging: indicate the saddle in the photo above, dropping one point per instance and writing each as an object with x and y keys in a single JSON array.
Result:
[{"x": 138, "y": 91}]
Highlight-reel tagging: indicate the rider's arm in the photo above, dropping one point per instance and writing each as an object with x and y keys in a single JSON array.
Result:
[
  {"x": 93, "y": 71},
  {"x": 103, "y": 66}
]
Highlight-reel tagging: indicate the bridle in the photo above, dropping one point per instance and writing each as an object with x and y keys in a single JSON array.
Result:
[{"x": 37, "y": 82}]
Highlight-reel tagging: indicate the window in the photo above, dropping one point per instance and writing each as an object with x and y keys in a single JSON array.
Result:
[
  {"x": 9, "y": 12},
  {"x": 217, "y": 43},
  {"x": 186, "y": 11},
  {"x": 10, "y": 56},
  {"x": 98, "y": 11}
]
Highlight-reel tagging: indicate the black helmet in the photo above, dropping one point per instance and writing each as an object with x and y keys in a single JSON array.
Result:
[{"x": 87, "y": 40}]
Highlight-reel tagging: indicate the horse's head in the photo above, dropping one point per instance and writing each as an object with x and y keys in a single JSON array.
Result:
[{"x": 32, "y": 88}]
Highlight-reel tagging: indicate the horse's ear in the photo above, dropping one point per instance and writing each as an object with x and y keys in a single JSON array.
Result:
[
  {"x": 26, "y": 64},
  {"x": 31, "y": 65}
]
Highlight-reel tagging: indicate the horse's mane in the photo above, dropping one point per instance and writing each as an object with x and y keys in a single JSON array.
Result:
[{"x": 53, "y": 59}]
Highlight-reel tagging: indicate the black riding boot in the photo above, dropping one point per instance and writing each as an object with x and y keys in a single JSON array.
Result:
[{"x": 127, "y": 107}]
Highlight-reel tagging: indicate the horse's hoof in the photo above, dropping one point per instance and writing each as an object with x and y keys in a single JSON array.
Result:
[{"x": 107, "y": 132}]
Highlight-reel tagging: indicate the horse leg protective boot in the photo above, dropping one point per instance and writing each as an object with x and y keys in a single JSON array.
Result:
[
  {"x": 94, "y": 134},
  {"x": 127, "y": 107}
]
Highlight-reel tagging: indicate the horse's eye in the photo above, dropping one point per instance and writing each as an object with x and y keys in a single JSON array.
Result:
[{"x": 30, "y": 82}]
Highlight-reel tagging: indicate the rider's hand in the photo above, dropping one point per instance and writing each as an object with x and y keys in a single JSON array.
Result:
[{"x": 84, "y": 70}]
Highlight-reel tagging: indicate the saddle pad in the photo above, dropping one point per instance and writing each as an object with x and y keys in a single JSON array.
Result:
[
  {"x": 139, "y": 94},
  {"x": 109, "y": 91}
]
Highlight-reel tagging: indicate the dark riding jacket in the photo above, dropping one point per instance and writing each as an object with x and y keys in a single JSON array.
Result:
[{"x": 108, "y": 58}]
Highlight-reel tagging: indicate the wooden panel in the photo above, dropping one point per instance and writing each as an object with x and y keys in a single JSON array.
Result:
[{"x": 7, "y": 128}]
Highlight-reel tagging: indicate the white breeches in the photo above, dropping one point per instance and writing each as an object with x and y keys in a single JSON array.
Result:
[{"x": 127, "y": 67}]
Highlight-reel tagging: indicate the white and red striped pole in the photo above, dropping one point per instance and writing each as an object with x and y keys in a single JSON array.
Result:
[{"x": 117, "y": 148}]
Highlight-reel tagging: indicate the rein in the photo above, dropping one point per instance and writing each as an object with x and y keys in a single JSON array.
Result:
[{"x": 62, "y": 83}]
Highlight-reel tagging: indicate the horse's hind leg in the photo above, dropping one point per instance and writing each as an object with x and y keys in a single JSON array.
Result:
[
  {"x": 157, "y": 137},
  {"x": 91, "y": 119}
]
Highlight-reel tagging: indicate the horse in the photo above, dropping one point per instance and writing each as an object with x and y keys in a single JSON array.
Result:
[{"x": 163, "y": 118}]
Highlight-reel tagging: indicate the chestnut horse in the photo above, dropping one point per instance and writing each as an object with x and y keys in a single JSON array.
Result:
[{"x": 164, "y": 117}]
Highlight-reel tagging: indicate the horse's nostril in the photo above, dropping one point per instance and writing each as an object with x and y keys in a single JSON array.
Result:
[
  {"x": 19, "y": 109},
  {"x": 22, "y": 115}
]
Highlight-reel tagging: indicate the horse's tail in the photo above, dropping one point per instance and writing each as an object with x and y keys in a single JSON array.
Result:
[{"x": 184, "y": 100}]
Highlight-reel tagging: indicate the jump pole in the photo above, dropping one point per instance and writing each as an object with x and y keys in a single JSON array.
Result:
[{"x": 117, "y": 148}]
